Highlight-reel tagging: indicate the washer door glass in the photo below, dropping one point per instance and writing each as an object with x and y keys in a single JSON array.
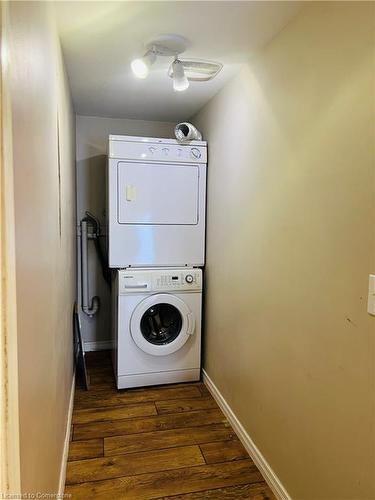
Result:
[{"x": 161, "y": 324}]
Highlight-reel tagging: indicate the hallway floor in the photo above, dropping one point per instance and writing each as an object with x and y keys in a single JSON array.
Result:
[{"x": 160, "y": 442}]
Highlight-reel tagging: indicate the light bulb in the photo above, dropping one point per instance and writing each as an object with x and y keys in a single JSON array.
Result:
[
  {"x": 141, "y": 67},
  {"x": 180, "y": 81}
]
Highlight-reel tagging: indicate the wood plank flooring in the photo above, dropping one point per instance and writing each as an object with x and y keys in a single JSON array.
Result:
[{"x": 164, "y": 442}]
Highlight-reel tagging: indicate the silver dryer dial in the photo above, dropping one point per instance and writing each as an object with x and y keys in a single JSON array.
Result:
[{"x": 195, "y": 153}]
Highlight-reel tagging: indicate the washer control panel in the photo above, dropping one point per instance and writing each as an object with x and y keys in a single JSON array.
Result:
[
  {"x": 157, "y": 280},
  {"x": 180, "y": 280}
]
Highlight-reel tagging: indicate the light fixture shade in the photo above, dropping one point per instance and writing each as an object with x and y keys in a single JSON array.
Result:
[
  {"x": 198, "y": 70},
  {"x": 180, "y": 82},
  {"x": 141, "y": 67}
]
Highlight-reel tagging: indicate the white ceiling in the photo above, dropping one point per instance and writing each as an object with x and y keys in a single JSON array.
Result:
[{"x": 100, "y": 39}]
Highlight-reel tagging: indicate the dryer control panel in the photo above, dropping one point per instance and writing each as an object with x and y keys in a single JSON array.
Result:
[
  {"x": 159, "y": 280},
  {"x": 150, "y": 149}
]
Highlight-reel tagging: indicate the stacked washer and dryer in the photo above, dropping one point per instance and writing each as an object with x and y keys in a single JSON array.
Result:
[{"x": 156, "y": 244}]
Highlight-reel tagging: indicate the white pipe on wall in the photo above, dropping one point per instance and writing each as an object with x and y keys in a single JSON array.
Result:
[{"x": 93, "y": 308}]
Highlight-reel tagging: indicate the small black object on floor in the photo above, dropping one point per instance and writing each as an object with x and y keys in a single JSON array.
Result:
[{"x": 82, "y": 377}]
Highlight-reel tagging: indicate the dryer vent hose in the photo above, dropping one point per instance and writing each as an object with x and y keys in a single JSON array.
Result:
[{"x": 185, "y": 132}]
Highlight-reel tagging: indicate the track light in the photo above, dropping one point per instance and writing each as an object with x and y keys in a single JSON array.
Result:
[
  {"x": 141, "y": 67},
  {"x": 180, "y": 82}
]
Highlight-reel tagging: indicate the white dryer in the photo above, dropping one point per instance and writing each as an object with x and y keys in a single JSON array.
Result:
[
  {"x": 156, "y": 202},
  {"x": 157, "y": 335}
]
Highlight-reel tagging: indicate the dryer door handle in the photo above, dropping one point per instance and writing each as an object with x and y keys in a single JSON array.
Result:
[{"x": 191, "y": 324}]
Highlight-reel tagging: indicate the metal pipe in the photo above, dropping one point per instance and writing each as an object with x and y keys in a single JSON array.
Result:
[
  {"x": 93, "y": 308},
  {"x": 186, "y": 132}
]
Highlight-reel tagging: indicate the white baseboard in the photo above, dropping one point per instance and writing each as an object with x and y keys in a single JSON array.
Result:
[
  {"x": 98, "y": 345},
  {"x": 65, "y": 454},
  {"x": 270, "y": 477}
]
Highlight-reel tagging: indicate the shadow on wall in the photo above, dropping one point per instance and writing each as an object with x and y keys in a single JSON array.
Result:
[
  {"x": 91, "y": 189},
  {"x": 91, "y": 186}
]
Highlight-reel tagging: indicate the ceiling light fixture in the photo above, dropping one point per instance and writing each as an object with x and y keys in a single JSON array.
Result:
[
  {"x": 163, "y": 45},
  {"x": 182, "y": 72},
  {"x": 180, "y": 82},
  {"x": 141, "y": 67}
]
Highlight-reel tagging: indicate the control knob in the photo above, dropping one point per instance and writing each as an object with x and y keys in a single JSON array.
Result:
[
  {"x": 189, "y": 278},
  {"x": 196, "y": 153}
]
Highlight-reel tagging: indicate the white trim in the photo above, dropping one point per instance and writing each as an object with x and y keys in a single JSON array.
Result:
[
  {"x": 269, "y": 475},
  {"x": 98, "y": 345},
  {"x": 10, "y": 484},
  {"x": 64, "y": 458}
]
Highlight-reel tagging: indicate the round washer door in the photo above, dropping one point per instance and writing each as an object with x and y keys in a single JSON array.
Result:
[{"x": 161, "y": 324}]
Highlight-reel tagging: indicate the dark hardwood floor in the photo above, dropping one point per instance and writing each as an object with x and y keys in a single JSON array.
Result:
[{"x": 155, "y": 443}]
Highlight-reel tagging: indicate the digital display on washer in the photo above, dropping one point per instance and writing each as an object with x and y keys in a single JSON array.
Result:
[{"x": 175, "y": 277}]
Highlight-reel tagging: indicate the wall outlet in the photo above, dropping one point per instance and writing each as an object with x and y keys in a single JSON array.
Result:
[{"x": 371, "y": 295}]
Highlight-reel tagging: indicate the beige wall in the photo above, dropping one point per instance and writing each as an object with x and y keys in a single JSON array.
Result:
[
  {"x": 45, "y": 260},
  {"x": 92, "y": 143},
  {"x": 290, "y": 244}
]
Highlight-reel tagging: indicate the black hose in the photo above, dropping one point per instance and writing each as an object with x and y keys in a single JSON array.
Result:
[{"x": 98, "y": 247}]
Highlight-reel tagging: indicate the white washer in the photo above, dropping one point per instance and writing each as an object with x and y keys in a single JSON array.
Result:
[
  {"x": 156, "y": 202},
  {"x": 157, "y": 335}
]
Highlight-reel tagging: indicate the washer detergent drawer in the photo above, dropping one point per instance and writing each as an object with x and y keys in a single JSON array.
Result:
[
  {"x": 130, "y": 282},
  {"x": 157, "y": 194}
]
